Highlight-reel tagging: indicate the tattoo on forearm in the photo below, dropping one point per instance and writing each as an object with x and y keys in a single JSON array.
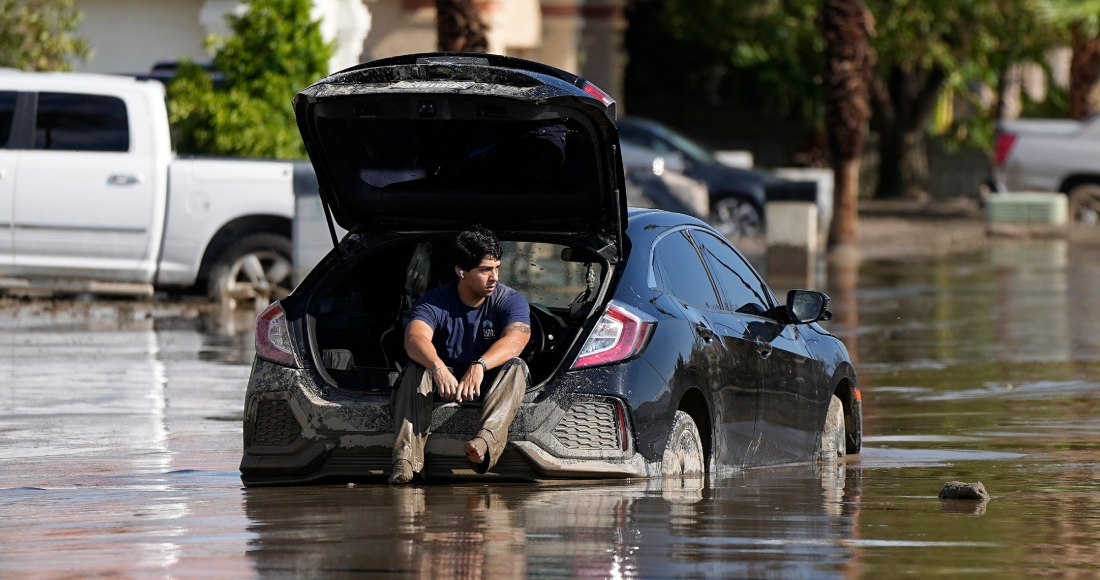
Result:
[{"x": 524, "y": 328}]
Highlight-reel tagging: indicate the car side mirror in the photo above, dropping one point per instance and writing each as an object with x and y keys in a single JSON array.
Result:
[{"x": 806, "y": 306}]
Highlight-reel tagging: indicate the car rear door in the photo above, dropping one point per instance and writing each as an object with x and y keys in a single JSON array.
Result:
[
  {"x": 720, "y": 351},
  {"x": 84, "y": 195}
]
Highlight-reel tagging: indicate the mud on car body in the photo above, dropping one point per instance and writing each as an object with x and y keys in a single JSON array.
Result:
[{"x": 634, "y": 372}]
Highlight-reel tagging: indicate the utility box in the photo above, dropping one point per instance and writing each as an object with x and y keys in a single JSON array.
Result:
[
  {"x": 792, "y": 231},
  {"x": 824, "y": 180},
  {"x": 312, "y": 240},
  {"x": 792, "y": 242},
  {"x": 1036, "y": 208}
]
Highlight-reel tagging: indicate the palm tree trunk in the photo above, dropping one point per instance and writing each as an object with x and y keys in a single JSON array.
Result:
[
  {"x": 849, "y": 59},
  {"x": 1084, "y": 74},
  {"x": 460, "y": 26}
]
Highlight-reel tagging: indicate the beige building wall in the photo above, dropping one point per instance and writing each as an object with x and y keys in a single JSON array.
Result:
[
  {"x": 128, "y": 36},
  {"x": 400, "y": 27},
  {"x": 601, "y": 54},
  {"x": 132, "y": 35}
]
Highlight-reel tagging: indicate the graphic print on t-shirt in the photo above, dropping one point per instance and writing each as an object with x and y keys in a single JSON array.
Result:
[{"x": 487, "y": 330}]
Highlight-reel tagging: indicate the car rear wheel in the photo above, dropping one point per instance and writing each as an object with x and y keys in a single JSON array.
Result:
[
  {"x": 683, "y": 455},
  {"x": 1084, "y": 204},
  {"x": 253, "y": 271},
  {"x": 736, "y": 218},
  {"x": 832, "y": 437}
]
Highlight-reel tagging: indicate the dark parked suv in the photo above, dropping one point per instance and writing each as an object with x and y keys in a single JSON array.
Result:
[{"x": 656, "y": 349}]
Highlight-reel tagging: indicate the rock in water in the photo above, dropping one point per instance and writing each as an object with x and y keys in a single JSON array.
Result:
[{"x": 961, "y": 490}]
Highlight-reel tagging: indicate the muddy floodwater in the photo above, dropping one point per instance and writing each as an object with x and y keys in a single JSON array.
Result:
[{"x": 120, "y": 434}]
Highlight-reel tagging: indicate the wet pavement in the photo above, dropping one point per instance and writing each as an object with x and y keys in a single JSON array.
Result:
[{"x": 120, "y": 437}]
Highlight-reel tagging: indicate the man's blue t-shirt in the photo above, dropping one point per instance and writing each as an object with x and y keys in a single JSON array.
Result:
[{"x": 462, "y": 334}]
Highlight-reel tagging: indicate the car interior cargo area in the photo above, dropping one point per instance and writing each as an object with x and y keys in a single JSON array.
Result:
[{"x": 360, "y": 312}]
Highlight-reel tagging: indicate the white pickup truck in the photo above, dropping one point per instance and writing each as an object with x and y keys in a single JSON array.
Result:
[
  {"x": 1052, "y": 155},
  {"x": 93, "y": 199}
]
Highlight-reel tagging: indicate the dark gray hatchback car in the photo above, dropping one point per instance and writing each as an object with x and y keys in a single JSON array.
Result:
[{"x": 656, "y": 349}]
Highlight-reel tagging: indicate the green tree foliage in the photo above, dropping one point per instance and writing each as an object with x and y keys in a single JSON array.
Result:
[
  {"x": 922, "y": 46},
  {"x": 1082, "y": 13},
  {"x": 275, "y": 51},
  {"x": 777, "y": 40},
  {"x": 39, "y": 35}
]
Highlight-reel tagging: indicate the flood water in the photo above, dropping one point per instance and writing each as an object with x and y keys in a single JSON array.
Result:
[{"x": 120, "y": 434}]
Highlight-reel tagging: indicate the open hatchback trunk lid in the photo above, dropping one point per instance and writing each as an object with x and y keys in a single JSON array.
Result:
[{"x": 438, "y": 141}]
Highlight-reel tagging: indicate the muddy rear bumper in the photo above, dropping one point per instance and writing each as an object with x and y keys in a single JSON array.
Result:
[{"x": 295, "y": 432}]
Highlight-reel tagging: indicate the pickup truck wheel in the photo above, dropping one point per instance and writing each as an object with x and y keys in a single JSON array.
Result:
[
  {"x": 254, "y": 271},
  {"x": 683, "y": 455},
  {"x": 735, "y": 218},
  {"x": 833, "y": 444},
  {"x": 1084, "y": 204}
]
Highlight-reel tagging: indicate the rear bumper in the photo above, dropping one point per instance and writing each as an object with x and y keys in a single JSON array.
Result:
[{"x": 297, "y": 433}]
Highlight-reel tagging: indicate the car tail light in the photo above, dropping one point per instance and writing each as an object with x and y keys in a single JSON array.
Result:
[
  {"x": 620, "y": 334},
  {"x": 273, "y": 337},
  {"x": 599, "y": 94},
  {"x": 1004, "y": 144}
]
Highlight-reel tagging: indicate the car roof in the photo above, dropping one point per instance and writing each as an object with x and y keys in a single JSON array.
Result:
[
  {"x": 69, "y": 81},
  {"x": 646, "y": 223}
]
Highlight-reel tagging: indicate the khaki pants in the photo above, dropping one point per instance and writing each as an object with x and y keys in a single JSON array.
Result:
[{"x": 414, "y": 399}]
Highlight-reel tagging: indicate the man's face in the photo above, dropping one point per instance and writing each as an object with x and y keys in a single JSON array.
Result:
[{"x": 482, "y": 280}]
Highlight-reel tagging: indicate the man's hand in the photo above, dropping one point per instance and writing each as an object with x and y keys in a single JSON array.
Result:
[
  {"x": 470, "y": 387},
  {"x": 445, "y": 383}
]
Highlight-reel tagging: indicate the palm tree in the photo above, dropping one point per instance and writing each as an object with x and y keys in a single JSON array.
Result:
[
  {"x": 849, "y": 60},
  {"x": 1082, "y": 19},
  {"x": 460, "y": 26}
]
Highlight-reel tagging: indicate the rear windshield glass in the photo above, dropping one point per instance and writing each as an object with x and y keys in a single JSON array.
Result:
[
  {"x": 538, "y": 271},
  {"x": 458, "y": 155}
]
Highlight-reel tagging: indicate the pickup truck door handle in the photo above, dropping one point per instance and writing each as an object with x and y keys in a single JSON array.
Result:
[
  {"x": 763, "y": 347},
  {"x": 119, "y": 179}
]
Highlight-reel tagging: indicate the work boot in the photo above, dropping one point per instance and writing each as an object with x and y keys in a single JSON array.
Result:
[{"x": 402, "y": 472}]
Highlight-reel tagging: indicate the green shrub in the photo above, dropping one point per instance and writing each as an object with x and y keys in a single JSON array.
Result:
[{"x": 275, "y": 51}]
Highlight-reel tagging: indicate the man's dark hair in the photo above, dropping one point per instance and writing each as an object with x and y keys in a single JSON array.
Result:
[{"x": 471, "y": 245}]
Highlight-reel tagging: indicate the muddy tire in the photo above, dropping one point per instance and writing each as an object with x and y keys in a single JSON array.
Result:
[
  {"x": 252, "y": 272},
  {"x": 684, "y": 456},
  {"x": 833, "y": 441},
  {"x": 1084, "y": 204},
  {"x": 734, "y": 217}
]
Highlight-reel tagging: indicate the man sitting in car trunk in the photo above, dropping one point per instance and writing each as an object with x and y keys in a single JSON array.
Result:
[{"x": 474, "y": 327}]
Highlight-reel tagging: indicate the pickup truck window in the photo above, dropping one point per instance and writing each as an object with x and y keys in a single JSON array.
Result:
[
  {"x": 7, "y": 113},
  {"x": 75, "y": 122}
]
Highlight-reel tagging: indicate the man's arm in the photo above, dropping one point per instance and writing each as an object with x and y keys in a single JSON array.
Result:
[
  {"x": 507, "y": 347},
  {"x": 418, "y": 345}
]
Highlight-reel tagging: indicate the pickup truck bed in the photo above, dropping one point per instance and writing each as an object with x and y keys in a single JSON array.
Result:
[{"x": 1052, "y": 155}]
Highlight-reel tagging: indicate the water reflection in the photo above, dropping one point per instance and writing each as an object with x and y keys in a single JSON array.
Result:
[
  {"x": 101, "y": 406},
  {"x": 788, "y": 521},
  {"x": 120, "y": 427}
]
